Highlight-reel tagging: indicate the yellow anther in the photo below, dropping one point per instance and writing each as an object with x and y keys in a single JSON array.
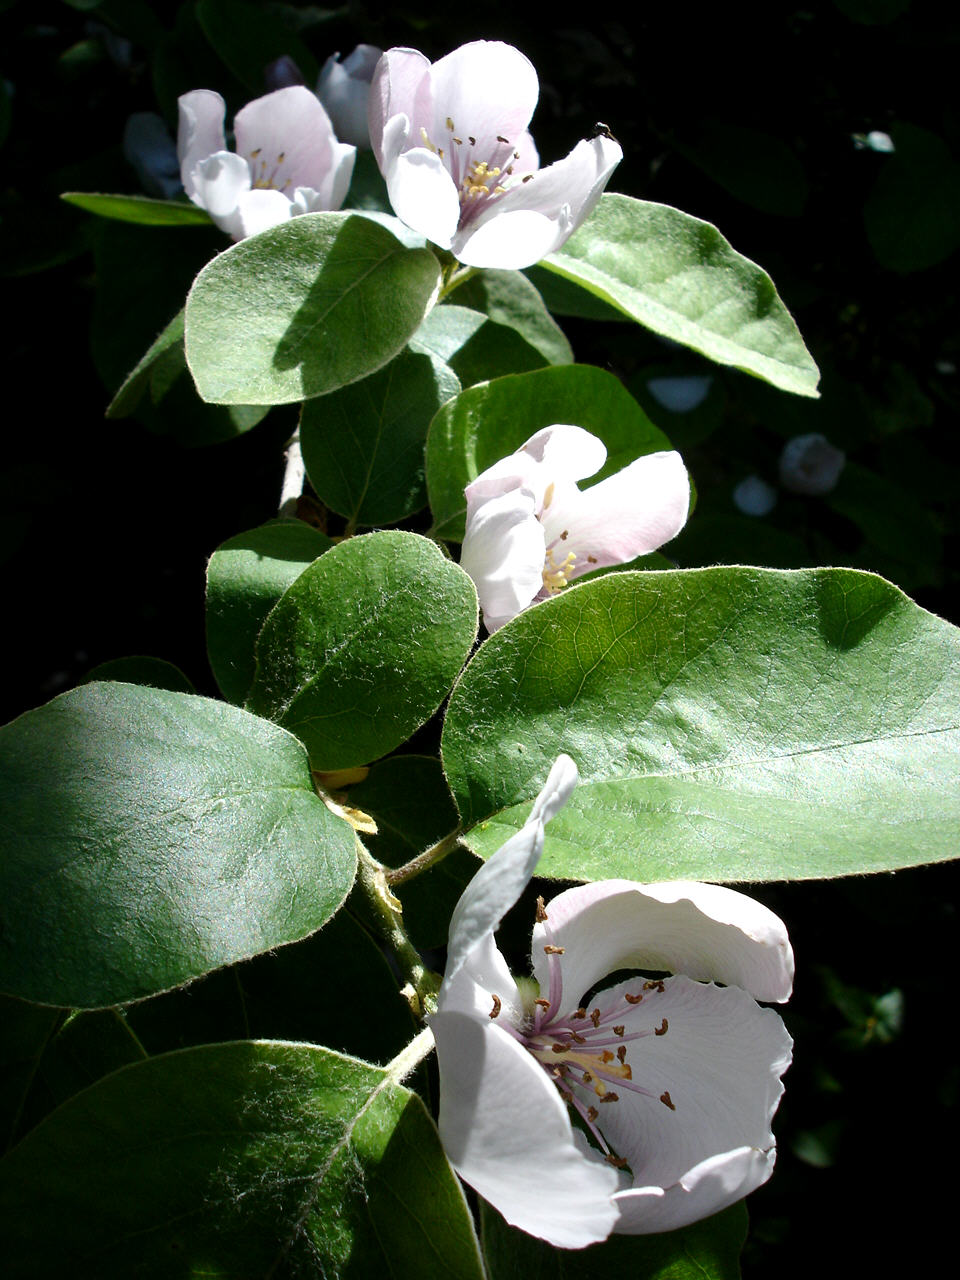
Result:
[
  {"x": 449, "y": 124},
  {"x": 426, "y": 141},
  {"x": 555, "y": 576}
]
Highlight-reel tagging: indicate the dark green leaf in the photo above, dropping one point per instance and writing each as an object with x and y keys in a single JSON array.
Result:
[
  {"x": 728, "y": 723},
  {"x": 363, "y": 445},
  {"x": 679, "y": 277},
  {"x": 487, "y": 422},
  {"x": 155, "y": 672},
  {"x": 156, "y": 370},
  {"x": 249, "y": 1159},
  {"x": 246, "y": 576},
  {"x": 758, "y": 168},
  {"x": 150, "y": 837},
  {"x": 248, "y": 37},
  {"x": 509, "y": 298},
  {"x": 912, "y": 215},
  {"x": 364, "y": 646},
  {"x": 304, "y": 308},
  {"x": 143, "y": 210},
  {"x": 474, "y": 346}
]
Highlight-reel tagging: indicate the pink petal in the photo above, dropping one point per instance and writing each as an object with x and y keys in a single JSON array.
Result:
[
  {"x": 488, "y": 90},
  {"x": 705, "y": 931},
  {"x": 704, "y": 1190},
  {"x": 393, "y": 91},
  {"x": 292, "y": 137},
  {"x": 574, "y": 184},
  {"x": 199, "y": 134},
  {"x": 507, "y": 1133}
]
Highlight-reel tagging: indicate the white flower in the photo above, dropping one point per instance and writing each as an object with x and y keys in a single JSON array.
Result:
[
  {"x": 287, "y": 161},
  {"x": 675, "y": 1080},
  {"x": 811, "y": 465},
  {"x": 148, "y": 147},
  {"x": 461, "y": 168},
  {"x": 344, "y": 89},
  {"x": 530, "y": 530}
]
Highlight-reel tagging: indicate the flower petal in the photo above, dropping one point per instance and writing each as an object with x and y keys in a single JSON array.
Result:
[
  {"x": 567, "y": 452},
  {"x": 488, "y": 90},
  {"x": 501, "y": 880},
  {"x": 287, "y": 138},
  {"x": 503, "y": 552},
  {"x": 420, "y": 189},
  {"x": 483, "y": 974},
  {"x": 397, "y": 78},
  {"x": 219, "y": 183},
  {"x": 705, "y": 931},
  {"x": 507, "y": 241},
  {"x": 344, "y": 90},
  {"x": 199, "y": 134},
  {"x": 574, "y": 184},
  {"x": 261, "y": 209},
  {"x": 627, "y": 515},
  {"x": 507, "y": 1133},
  {"x": 704, "y": 1190}
]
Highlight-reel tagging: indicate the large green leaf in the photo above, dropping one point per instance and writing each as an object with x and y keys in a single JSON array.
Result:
[
  {"x": 246, "y": 576},
  {"x": 708, "y": 1250},
  {"x": 143, "y": 210},
  {"x": 304, "y": 308},
  {"x": 363, "y": 445},
  {"x": 474, "y": 346},
  {"x": 487, "y": 422},
  {"x": 510, "y": 299},
  {"x": 157, "y": 369},
  {"x": 728, "y": 723},
  {"x": 364, "y": 646},
  {"x": 149, "y": 837},
  {"x": 244, "y": 1159},
  {"x": 680, "y": 277}
]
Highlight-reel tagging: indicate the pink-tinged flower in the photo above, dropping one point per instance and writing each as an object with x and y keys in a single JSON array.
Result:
[
  {"x": 287, "y": 161},
  {"x": 673, "y": 1081},
  {"x": 344, "y": 89},
  {"x": 531, "y": 530},
  {"x": 461, "y": 168}
]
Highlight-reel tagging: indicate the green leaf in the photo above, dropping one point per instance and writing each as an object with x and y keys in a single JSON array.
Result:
[
  {"x": 158, "y": 368},
  {"x": 411, "y": 802},
  {"x": 679, "y": 277},
  {"x": 138, "y": 669},
  {"x": 247, "y": 38},
  {"x": 363, "y": 445},
  {"x": 912, "y": 214},
  {"x": 474, "y": 346},
  {"x": 247, "y": 1159},
  {"x": 246, "y": 577},
  {"x": 509, "y": 298},
  {"x": 707, "y": 1250},
  {"x": 756, "y": 167},
  {"x": 150, "y": 837},
  {"x": 566, "y": 297},
  {"x": 25, "y": 1030},
  {"x": 364, "y": 646},
  {"x": 487, "y": 422},
  {"x": 143, "y": 210},
  {"x": 728, "y": 723},
  {"x": 304, "y": 308}
]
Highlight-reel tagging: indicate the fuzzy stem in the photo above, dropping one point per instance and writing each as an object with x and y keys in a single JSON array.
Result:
[
  {"x": 454, "y": 279},
  {"x": 410, "y": 1057},
  {"x": 294, "y": 474},
  {"x": 436, "y": 853},
  {"x": 372, "y": 879}
]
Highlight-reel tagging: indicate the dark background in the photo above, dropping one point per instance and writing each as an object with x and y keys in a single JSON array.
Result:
[{"x": 752, "y": 117}]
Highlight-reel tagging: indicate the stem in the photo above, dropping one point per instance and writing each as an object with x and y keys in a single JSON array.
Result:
[
  {"x": 458, "y": 276},
  {"x": 122, "y": 1019},
  {"x": 415, "y": 1052},
  {"x": 294, "y": 475},
  {"x": 372, "y": 879},
  {"x": 436, "y": 853}
]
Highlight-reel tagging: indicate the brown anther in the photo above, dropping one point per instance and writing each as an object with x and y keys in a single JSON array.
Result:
[
  {"x": 618, "y": 1031},
  {"x": 592, "y": 1114},
  {"x": 578, "y": 1038},
  {"x": 500, "y": 138},
  {"x": 606, "y": 1056},
  {"x": 621, "y": 1053},
  {"x": 632, "y": 999},
  {"x": 667, "y": 1100},
  {"x": 544, "y": 1004},
  {"x": 618, "y": 1162},
  {"x": 516, "y": 155},
  {"x": 595, "y": 1017},
  {"x": 255, "y": 153},
  {"x": 281, "y": 157},
  {"x": 587, "y": 1077},
  {"x": 472, "y": 141},
  {"x": 653, "y": 985},
  {"x": 662, "y": 1029},
  {"x": 551, "y": 950},
  {"x": 580, "y": 1013},
  {"x": 528, "y": 178},
  {"x": 458, "y": 141},
  {"x": 559, "y": 1048},
  {"x": 541, "y": 910},
  {"x": 509, "y": 169},
  {"x": 565, "y": 535},
  {"x": 591, "y": 559},
  {"x": 495, "y": 1011},
  {"x": 610, "y": 1097}
]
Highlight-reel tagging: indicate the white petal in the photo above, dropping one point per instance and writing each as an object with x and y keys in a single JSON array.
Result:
[
  {"x": 344, "y": 89},
  {"x": 420, "y": 189},
  {"x": 501, "y": 880},
  {"x": 627, "y": 515},
  {"x": 508, "y": 242},
  {"x": 292, "y": 136},
  {"x": 485, "y": 88},
  {"x": 503, "y": 552},
  {"x": 706, "y": 931},
  {"x": 483, "y": 975},
  {"x": 262, "y": 209},
  {"x": 219, "y": 182},
  {"x": 397, "y": 79},
  {"x": 506, "y": 1132},
  {"x": 199, "y": 134},
  {"x": 704, "y": 1190},
  {"x": 576, "y": 182},
  {"x": 567, "y": 452},
  {"x": 720, "y": 1059}
]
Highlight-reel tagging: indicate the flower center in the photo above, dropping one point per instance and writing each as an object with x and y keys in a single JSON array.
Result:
[
  {"x": 555, "y": 576},
  {"x": 585, "y": 1052},
  {"x": 476, "y": 179},
  {"x": 262, "y": 176}
]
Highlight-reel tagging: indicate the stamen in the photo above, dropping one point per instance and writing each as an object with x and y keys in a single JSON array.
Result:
[
  {"x": 592, "y": 1114},
  {"x": 551, "y": 950},
  {"x": 654, "y": 985},
  {"x": 555, "y": 576},
  {"x": 618, "y": 1031},
  {"x": 613, "y": 1097},
  {"x": 618, "y": 1162},
  {"x": 666, "y": 1100},
  {"x": 544, "y": 1004},
  {"x": 426, "y": 141},
  {"x": 500, "y": 138},
  {"x": 255, "y": 153},
  {"x": 472, "y": 141},
  {"x": 495, "y": 1011},
  {"x": 450, "y": 125},
  {"x": 541, "y": 910},
  {"x": 580, "y": 1013},
  {"x": 606, "y": 1056},
  {"x": 595, "y": 1017},
  {"x": 587, "y": 1077},
  {"x": 632, "y": 999},
  {"x": 621, "y": 1054},
  {"x": 528, "y": 178},
  {"x": 662, "y": 1029},
  {"x": 548, "y": 495}
]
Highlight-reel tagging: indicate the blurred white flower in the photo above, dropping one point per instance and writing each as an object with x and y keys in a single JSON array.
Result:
[
  {"x": 754, "y": 497},
  {"x": 680, "y": 394},
  {"x": 675, "y": 1080},
  {"x": 148, "y": 147},
  {"x": 811, "y": 465},
  {"x": 288, "y": 159},
  {"x": 344, "y": 89},
  {"x": 452, "y": 142}
]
